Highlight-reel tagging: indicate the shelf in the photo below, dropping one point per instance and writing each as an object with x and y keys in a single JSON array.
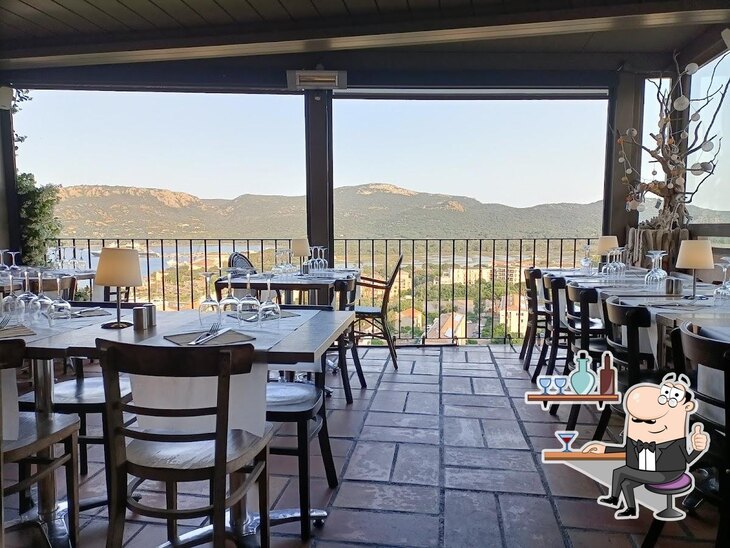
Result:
[
  {"x": 552, "y": 455},
  {"x": 600, "y": 399}
]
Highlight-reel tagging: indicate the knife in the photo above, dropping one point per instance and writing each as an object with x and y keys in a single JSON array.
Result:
[{"x": 209, "y": 337}]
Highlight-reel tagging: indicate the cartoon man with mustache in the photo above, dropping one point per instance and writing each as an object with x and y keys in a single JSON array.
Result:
[{"x": 655, "y": 433}]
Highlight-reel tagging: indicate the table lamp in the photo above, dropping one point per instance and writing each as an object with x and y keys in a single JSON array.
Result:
[
  {"x": 300, "y": 248},
  {"x": 606, "y": 244},
  {"x": 695, "y": 254},
  {"x": 118, "y": 268}
]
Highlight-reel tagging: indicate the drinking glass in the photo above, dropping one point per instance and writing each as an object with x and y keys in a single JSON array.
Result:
[
  {"x": 14, "y": 267},
  {"x": 12, "y": 305},
  {"x": 560, "y": 383},
  {"x": 545, "y": 383},
  {"x": 3, "y": 266},
  {"x": 656, "y": 275},
  {"x": 209, "y": 310},
  {"x": 269, "y": 310},
  {"x": 586, "y": 263},
  {"x": 27, "y": 295},
  {"x": 722, "y": 293},
  {"x": 249, "y": 306},
  {"x": 566, "y": 437},
  {"x": 229, "y": 303},
  {"x": 620, "y": 264},
  {"x": 43, "y": 301}
]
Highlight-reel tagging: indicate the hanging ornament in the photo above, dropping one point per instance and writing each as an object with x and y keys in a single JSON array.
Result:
[
  {"x": 653, "y": 173},
  {"x": 695, "y": 117},
  {"x": 691, "y": 68},
  {"x": 621, "y": 160},
  {"x": 631, "y": 132},
  {"x": 674, "y": 148},
  {"x": 629, "y": 171},
  {"x": 640, "y": 208},
  {"x": 681, "y": 103},
  {"x": 707, "y": 146},
  {"x": 684, "y": 134},
  {"x": 678, "y": 180},
  {"x": 697, "y": 169},
  {"x": 707, "y": 166},
  {"x": 670, "y": 186}
]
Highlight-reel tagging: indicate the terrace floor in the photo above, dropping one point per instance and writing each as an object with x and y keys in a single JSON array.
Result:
[{"x": 442, "y": 452}]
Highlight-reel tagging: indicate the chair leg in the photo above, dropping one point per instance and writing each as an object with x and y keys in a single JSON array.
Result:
[
  {"x": 83, "y": 449},
  {"x": 554, "y": 346},
  {"x": 390, "y": 341},
  {"x": 72, "y": 487},
  {"x": 530, "y": 348},
  {"x": 342, "y": 365},
  {"x": 602, "y": 424},
  {"x": 171, "y": 500},
  {"x": 529, "y": 338},
  {"x": 540, "y": 362},
  {"x": 117, "y": 508},
  {"x": 25, "y": 499},
  {"x": 107, "y": 461},
  {"x": 326, "y": 450},
  {"x": 263, "y": 483},
  {"x": 655, "y": 529},
  {"x": 303, "y": 457},
  {"x": 525, "y": 341},
  {"x": 218, "y": 520},
  {"x": 358, "y": 365}
]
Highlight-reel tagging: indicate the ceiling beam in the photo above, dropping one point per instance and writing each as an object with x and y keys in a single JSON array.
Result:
[
  {"x": 703, "y": 49},
  {"x": 354, "y": 37}
]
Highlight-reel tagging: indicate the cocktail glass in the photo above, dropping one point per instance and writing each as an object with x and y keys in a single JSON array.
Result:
[
  {"x": 560, "y": 383},
  {"x": 566, "y": 437},
  {"x": 544, "y": 383}
]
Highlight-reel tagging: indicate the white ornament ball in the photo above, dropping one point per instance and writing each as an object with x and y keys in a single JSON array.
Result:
[
  {"x": 684, "y": 135},
  {"x": 629, "y": 171},
  {"x": 631, "y": 132},
  {"x": 707, "y": 146},
  {"x": 697, "y": 169},
  {"x": 670, "y": 185},
  {"x": 640, "y": 208},
  {"x": 691, "y": 68},
  {"x": 678, "y": 180},
  {"x": 681, "y": 103},
  {"x": 695, "y": 117},
  {"x": 707, "y": 166}
]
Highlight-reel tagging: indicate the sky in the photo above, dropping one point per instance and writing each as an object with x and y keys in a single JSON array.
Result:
[{"x": 519, "y": 153}]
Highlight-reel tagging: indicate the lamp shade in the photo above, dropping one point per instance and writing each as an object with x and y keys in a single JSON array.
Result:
[
  {"x": 300, "y": 247},
  {"x": 118, "y": 268},
  {"x": 605, "y": 244},
  {"x": 695, "y": 254}
]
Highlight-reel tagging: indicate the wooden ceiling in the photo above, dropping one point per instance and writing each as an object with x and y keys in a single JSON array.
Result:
[{"x": 36, "y": 34}]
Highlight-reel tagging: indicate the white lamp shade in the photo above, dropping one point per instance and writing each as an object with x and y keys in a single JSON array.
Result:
[
  {"x": 300, "y": 247},
  {"x": 695, "y": 254},
  {"x": 606, "y": 244},
  {"x": 118, "y": 268}
]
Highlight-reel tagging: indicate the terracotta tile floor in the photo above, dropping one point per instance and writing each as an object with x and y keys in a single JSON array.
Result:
[{"x": 442, "y": 452}]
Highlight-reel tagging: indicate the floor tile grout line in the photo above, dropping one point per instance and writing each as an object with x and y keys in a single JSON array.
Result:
[
  {"x": 442, "y": 455},
  {"x": 537, "y": 461}
]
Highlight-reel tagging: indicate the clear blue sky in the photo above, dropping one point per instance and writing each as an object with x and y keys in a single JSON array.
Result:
[{"x": 518, "y": 153}]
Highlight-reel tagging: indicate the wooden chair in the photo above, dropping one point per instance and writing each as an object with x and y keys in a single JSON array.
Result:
[
  {"x": 692, "y": 346},
  {"x": 373, "y": 316},
  {"x": 556, "y": 333},
  {"x": 627, "y": 354},
  {"x": 39, "y": 433},
  {"x": 209, "y": 456},
  {"x": 305, "y": 408},
  {"x": 536, "y": 315},
  {"x": 68, "y": 286},
  {"x": 110, "y": 294}
]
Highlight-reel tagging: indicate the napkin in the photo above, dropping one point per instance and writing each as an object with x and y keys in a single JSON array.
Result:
[
  {"x": 284, "y": 314},
  {"x": 16, "y": 331},
  {"x": 90, "y": 313},
  {"x": 225, "y": 339}
]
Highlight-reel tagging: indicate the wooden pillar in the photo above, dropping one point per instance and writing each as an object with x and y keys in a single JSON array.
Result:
[
  {"x": 9, "y": 209},
  {"x": 626, "y": 110},
  {"x": 320, "y": 192}
]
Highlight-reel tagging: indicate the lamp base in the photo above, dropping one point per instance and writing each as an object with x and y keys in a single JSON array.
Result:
[{"x": 116, "y": 325}]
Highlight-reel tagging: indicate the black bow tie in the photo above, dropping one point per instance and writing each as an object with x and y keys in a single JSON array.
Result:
[{"x": 640, "y": 446}]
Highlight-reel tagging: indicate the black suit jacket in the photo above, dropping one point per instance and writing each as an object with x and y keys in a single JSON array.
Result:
[{"x": 670, "y": 456}]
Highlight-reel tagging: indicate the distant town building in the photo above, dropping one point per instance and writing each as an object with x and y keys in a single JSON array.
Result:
[
  {"x": 448, "y": 328},
  {"x": 513, "y": 313}
]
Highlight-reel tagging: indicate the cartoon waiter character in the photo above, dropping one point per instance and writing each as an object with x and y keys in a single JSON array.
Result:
[{"x": 658, "y": 448}]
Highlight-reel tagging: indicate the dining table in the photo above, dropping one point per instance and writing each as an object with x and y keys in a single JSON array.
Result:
[{"x": 304, "y": 337}]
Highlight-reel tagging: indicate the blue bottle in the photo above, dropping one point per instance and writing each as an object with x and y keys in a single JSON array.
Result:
[{"x": 582, "y": 380}]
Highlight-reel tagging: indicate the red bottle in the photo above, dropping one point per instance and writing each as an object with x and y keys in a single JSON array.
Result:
[{"x": 607, "y": 376}]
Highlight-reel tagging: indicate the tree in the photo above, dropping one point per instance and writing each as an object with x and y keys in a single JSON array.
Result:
[{"x": 37, "y": 222}]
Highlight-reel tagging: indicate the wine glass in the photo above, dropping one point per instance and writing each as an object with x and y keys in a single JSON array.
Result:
[
  {"x": 229, "y": 304},
  {"x": 656, "y": 275},
  {"x": 12, "y": 305},
  {"x": 249, "y": 306},
  {"x": 269, "y": 310},
  {"x": 722, "y": 293},
  {"x": 209, "y": 310},
  {"x": 14, "y": 267},
  {"x": 586, "y": 263},
  {"x": 545, "y": 382},
  {"x": 43, "y": 301},
  {"x": 566, "y": 437},
  {"x": 27, "y": 295},
  {"x": 3, "y": 266},
  {"x": 560, "y": 383}
]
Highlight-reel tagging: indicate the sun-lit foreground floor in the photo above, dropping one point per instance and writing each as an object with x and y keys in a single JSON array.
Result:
[{"x": 442, "y": 452}]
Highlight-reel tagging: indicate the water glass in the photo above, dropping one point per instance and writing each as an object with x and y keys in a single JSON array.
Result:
[
  {"x": 209, "y": 311},
  {"x": 229, "y": 304}
]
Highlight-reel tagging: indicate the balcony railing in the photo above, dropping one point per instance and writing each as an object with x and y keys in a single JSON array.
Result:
[{"x": 448, "y": 291}]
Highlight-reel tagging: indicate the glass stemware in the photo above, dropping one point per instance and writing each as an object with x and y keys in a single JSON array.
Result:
[
  {"x": 229, "y": 304},
  {"x": 560, "y": 383},
  {"x": 269, "y": 310},
  {"x": 41, "y": 299},
  {"x": 27, "y": 296},
  {"x": 249, "y": 306},
  {"x": 722, "y": 293},
  {"x": 586, "y": 263},
  {"x": 566, "y": 437},
  {"x": 545, "y": 383},
  {"x": 14, "y": 267},
  {"x": 656, "y": 275},
  {"x": 3, "y": 266},
  {"x": 209, "y": 310},
  {"x": 12, "y": 305},
  {"x": 60, "y": 308}
]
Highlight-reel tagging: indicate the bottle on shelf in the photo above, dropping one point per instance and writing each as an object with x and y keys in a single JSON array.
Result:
[
  {"x": 582, "y": 380},
  {"x": 607, "y": 376}
]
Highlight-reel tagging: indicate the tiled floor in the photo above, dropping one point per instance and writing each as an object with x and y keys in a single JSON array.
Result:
[{"x": 442, "y": 452}]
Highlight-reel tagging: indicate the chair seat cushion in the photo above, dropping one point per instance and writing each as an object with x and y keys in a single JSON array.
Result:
[
  {"x": 679, "y": 484},
  {"x": 367, "y": 311},
  {"x": 242, "y": 448},
  {"x": 287, "y": 401},
  {"x": 33, "y": 427},
  {"x": 88, "y": 391}
]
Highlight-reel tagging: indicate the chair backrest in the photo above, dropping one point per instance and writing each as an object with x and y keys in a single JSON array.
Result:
[
  {"x": 239, "y": 260},
  {"x": 689, "y": 343},
  {"x": 110, "y": 293},
  {"x": 554, "y": 285},
  {"x": 11, "y": 353},
  {"x": 183, "y": 362},
  {"x": 532, "y": 275},
  {"x": 68, "y": 286},
  {"x": 579, "y": 318},
  {"x": 389, "y": 285},
  {"x": 627, "y": 352}
]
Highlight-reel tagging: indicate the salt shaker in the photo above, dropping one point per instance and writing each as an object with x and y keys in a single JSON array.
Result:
[
  {"x": 151, "y": 312},
  {"x": 139, "y": 318}
]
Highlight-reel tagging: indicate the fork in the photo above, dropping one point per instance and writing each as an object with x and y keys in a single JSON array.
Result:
[{"x": 213, "y": 329}]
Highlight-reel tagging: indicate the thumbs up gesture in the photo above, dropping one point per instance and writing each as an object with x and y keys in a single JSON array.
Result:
[{"x": 699, "y": 439}]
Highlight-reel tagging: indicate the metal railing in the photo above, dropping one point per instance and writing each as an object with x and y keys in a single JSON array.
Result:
[{"x": 448, "y": 290}]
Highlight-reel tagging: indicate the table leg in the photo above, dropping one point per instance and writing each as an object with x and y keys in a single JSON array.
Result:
[{"x": 342, "y": 363}]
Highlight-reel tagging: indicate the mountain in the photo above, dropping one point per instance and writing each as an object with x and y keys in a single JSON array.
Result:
[{"x": 366, "y": 211}]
